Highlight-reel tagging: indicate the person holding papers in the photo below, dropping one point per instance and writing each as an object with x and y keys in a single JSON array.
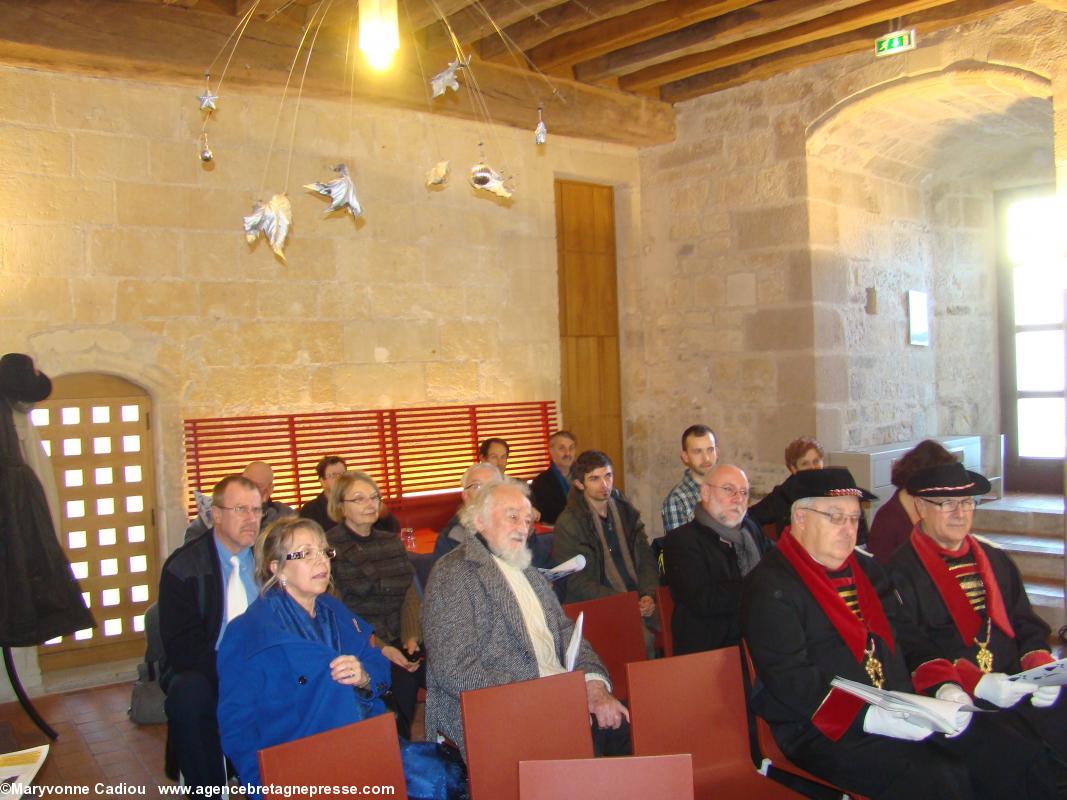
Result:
[
  {"x": 489, "y": 618},
  {"x": 814, "y": 610},
  {"x": 968, "y": 597}
]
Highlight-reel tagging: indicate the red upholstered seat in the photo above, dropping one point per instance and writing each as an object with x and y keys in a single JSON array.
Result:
[
  {"x": 365, "y": 753},
  {"x": 637, "y": 778},
  {"x": 613, "y": 627},
  {"x": 546, "y": 718},
  {"x": 696, "y": 704}
]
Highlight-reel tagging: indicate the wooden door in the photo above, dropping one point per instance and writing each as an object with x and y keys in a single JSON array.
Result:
[{"x": 591, "y": 403}]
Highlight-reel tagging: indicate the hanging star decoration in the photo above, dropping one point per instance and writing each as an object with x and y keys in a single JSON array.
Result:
[
  {"x": 488, "y": 179},
  {"x": 273, "y": 221},
  {"x": 341, "y": 191},
  {"x": 207, "y": 100},
  {"x": 540, "y": 132},
  {"x": 438, "y": 174},
  {"x": 446, "y": 78}
]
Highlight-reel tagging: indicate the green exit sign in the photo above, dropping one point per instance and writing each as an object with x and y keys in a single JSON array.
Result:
[{"x": 895, "y": 42}]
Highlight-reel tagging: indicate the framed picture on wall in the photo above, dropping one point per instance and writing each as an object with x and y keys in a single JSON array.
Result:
[{"x": 918, "y": 319}]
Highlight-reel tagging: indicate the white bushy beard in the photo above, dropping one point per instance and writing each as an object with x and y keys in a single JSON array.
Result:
[{"x": 519, "y": 559}]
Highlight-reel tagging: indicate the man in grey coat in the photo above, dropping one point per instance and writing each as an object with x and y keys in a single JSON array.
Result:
[{"x": 490, "y": 618}]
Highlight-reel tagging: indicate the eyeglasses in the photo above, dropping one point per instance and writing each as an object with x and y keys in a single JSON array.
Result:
[
  {"x": 731, "y": 491},
  {"x": 255, "y": 511},
  {"x": 472, "y": 487},
  {"x": 837, "y": 517},
  {"x": 360, "y": 499},
  {"x": 311, "y": 553},
  {"x": 964, "y": 504}
]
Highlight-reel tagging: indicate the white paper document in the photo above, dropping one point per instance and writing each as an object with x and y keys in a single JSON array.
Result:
[
  {"x": 1052, "y": 674},
  {"x": 571, "y": 656},
  {"x": 18, "y": 769},
  {"x": 929, "y": 712},
  {"x": 568, "y": 567}
]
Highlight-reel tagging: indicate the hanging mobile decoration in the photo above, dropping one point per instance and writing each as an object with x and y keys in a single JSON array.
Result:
[
  {"x": 446, "y": 78},
  {"x": 205, "y": 149},
  {"x": 341, "y": 191},
  {"x": 438, "y": 175},
  {"x": 540, "y": 132},
  {"x": 208, "y": 99},
  {"x": 488, "y": 179},
  {"x": 273, "y": 221}
]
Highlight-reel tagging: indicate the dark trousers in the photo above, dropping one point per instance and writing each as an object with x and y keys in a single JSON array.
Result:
[
  {"x": 989, "y": 760},
  {"x": 193, "y": 728},
  {"x": 406, "y": 687}
]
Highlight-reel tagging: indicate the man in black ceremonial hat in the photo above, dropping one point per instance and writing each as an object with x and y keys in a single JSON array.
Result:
[
  {"x": 814, "y": 609},
  {"x": 967, "y": 596}
]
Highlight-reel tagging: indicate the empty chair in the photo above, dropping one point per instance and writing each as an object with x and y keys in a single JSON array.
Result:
[
  {"x": 630, "y": 778},
  {"x": 613, "y": 627},
  {"x": 696, "y": 704},
  {"x": 365, "y": 753},
  {"x": 545, "y": 718},
  {"x": 665, "y": 609}
]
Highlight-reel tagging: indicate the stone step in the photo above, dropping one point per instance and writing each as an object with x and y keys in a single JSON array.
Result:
[
  {"x": 1036, "y": 556},
  {"x": 1047, "y": 601},
  {"x": 1032, "y": 523}
]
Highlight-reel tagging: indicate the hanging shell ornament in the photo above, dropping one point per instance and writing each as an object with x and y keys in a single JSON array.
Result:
[
  {"x": 540, "y": 132},
  {"x": 438, "y": 174},
  {"x": 488, "y": 179},
  {"x": 341, "y": 191},
  {"x": 446, "y": 78},
  {"x": 273, "y": 221},
  {"x": 205, "y": 150}
]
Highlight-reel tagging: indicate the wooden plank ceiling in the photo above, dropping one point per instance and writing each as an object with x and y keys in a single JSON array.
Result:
[{"x": 614, "y": 66}]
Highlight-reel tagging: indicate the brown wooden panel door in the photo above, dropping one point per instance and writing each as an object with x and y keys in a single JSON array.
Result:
[{"x": 590, "y": 391}]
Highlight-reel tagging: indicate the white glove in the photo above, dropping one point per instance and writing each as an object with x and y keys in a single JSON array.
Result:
[
  {"x": 1044, "y": 696},
  {"x": 955, "y": 694},
  {"x": 888, "y": 723},
  {"x": 998, "y": 690}
]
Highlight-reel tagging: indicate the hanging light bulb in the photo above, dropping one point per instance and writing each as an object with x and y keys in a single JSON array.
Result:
[{"x": 379, "y": 36}]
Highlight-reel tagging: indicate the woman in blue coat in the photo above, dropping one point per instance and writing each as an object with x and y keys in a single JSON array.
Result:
[{"x": 298, "y": 662}]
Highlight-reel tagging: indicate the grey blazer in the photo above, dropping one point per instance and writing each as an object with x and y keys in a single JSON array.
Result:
[{"x": 475, "y": 636}]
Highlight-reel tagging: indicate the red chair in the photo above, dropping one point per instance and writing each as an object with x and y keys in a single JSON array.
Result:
[
  {"x": 365, "y": 753},
  {"x": 637, "y": 778},
  {"x": 545, "y": 718},
  {"x": 613, "y": 627},
  {"x": 696, "y": 704},
  {"x": 665, "y": 606}
]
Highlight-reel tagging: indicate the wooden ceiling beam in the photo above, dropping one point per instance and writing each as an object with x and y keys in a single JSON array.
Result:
[
  {"x": 824, "y": 27},
  {"x": 472, "y": 23},
  {"x": 142, "y": 42},
  {"x": 756, "y": 20},
  {"x": 854, "y": 41},
  {"x": 610, "y": 34},
  {"x": 420, "y": 13},
  {"x": 552, "y": 22}
]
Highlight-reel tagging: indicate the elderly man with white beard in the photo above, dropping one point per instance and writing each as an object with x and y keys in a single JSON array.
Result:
[{"x": 490, "y": 618}]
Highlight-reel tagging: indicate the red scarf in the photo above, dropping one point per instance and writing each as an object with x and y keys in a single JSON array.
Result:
[
  {"x": 853, "y": 631},
  {"x": 968, "y": 621}
]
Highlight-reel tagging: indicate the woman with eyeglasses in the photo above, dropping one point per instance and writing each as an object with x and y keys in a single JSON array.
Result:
[
  {"x": 298, "y": 662},
  {"x": 376, "y": 580}
]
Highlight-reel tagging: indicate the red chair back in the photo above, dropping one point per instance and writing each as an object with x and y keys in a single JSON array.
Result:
[
  {"x": 636, "y": 778},
  {"x": 665, "y": 606},
  {"x": 546, "y": 718},
  {"x": 696, "y": 704},
  {"x": 365, "y": 753},
  {"x": 613, "y": 627}
]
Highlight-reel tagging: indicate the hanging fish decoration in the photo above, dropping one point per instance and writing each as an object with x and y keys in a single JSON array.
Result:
[
  {"x": 488, "y": 179},
  {"x": 341, "y": 191},
  {"x": 446, "y": 78},
  {"x": 438, "y": 175},
  {"x": 540, "y": 132},
  {"x": 273, "y": 221}
]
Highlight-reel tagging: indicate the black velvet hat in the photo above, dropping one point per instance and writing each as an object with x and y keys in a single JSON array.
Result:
[
  {"x": 20, "y": 381},
  {"x": 947, "y": 480},
  {"x": 828, "y": 482}
]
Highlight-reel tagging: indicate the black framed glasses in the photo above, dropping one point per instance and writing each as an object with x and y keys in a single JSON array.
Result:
[{"x": 954, "y": 504}]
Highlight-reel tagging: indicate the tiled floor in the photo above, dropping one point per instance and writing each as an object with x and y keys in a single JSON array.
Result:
[{"x": 97, "y": 743}]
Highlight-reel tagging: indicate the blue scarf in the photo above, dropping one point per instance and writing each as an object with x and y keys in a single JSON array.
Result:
[{"x": 294, "y": 619}]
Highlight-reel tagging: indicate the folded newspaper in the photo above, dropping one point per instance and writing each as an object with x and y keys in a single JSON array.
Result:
[
  {"x": 570, "y": 658},
  {"x": 929, "y": 712},
  {"x": 1052, "y": 674},
  {"x": 568, "y": 567}
]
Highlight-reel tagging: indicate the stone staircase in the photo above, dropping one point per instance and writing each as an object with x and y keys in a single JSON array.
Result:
[{"x": 1031, "y": 529}]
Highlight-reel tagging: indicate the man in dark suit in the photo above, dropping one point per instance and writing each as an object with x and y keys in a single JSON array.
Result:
[
  {"x": 205, "y": 583},
  {"x": 551, "y": 487}
]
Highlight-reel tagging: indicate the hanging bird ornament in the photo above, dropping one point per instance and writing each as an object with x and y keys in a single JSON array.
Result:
[
  {"x": 446, "y": 78},
  {"x": 273, "y": 221},
  {"x": 488, "y": 179},
  {"x": 540, "y": 132},
  {"x": 438, "y": 174},
  {"x": 341, "y": 191}
]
